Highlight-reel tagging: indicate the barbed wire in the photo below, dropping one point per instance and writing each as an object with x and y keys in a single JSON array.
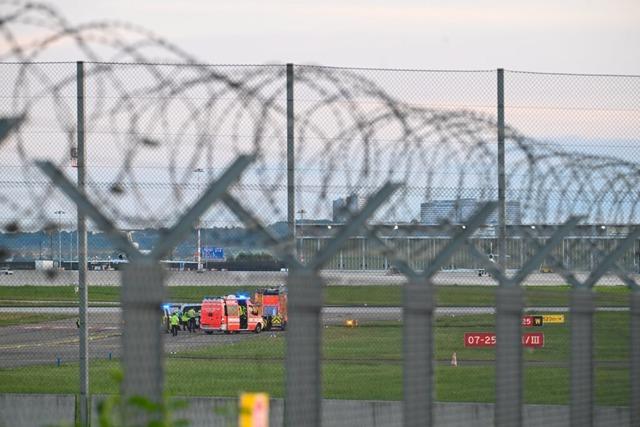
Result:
[{"x": 149, "y": 101}]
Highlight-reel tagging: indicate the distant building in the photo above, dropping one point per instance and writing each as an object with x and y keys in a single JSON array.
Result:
[
  {"x": 343, "y": 208},
  {"x": 460, "y": 210},
  {"x": 454, "y": 211},
  {"x": 513, "y": 214}
]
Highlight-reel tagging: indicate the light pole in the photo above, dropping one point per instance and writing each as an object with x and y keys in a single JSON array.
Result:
[
  {"x": 301, "y": 252},
  {"x": 198, "y": 249},
  {"x": 59, "y": 213}
]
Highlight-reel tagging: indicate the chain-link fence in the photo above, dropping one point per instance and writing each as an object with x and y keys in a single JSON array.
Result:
[{"x": 368, "y": 247}]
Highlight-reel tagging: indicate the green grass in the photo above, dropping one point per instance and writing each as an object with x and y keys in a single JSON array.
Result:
[
  {"x": 373, "y": 381},
  {"x": 447, "y": 296},
  {"x": 382, "y": 341},
  {"x": 66, "y": 295},
  {"x": 356, "y": 361},
  {"x": 611, "y": 338},
  {"x": 365, "y": 363},
  {"x": 10, "y": 319}
]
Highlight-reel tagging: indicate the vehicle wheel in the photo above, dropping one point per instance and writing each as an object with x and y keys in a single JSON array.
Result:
[
  {"x": 208, "y": 332},
  {"x": 284, "y": 326},
  {"x": 227, "y": 332},
  {"x": 258, "y": 328}
]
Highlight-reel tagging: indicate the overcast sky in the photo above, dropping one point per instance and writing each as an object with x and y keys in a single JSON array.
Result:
[
  {"x": 592, "y": 115},
  {"x": 600, "y": 36}
]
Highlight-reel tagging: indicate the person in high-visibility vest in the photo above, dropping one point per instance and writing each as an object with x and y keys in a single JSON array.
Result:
[
  {"x": 184, "y": 318},
  {"x": 243, "y": 316},
  {"x": 192, "y": 319},
  {"x": 174, "y": 320}
]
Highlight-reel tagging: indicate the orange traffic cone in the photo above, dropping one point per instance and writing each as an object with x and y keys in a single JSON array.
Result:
[{"x": 454, "y": 359}]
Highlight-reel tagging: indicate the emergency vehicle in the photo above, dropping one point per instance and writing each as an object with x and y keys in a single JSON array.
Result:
[
  {"x": 272, "y": 306},
  {"x": 231, "y": 313}
]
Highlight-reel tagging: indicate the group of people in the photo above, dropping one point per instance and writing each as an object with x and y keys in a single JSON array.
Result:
[{"x": 186, "y": 319}]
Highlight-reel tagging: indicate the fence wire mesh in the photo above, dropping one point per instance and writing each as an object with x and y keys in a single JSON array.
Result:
[{"x": 380, "y": 296}]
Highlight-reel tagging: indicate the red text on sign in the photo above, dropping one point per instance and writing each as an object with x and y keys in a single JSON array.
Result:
[{"x": 488, "y": 339}]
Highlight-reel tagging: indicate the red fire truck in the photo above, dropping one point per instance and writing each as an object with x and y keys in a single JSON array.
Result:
[
  {"x": 231, "y": 313},
  {"x": 272, "y": 306}
]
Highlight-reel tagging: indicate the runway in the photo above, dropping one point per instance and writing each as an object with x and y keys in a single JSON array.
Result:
[
  {"x": 254, "y": 279},
  {"x": 57, "y": 341}
]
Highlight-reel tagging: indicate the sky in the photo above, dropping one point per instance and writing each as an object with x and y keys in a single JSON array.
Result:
[
  {"x": 575, "y": 36},
  {"x": 584, "y": 114}
]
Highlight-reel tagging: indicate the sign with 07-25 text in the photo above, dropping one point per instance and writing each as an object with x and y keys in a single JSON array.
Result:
[
  {"x": 479, "y": 339},
  {"x": 488, "y": 339}
]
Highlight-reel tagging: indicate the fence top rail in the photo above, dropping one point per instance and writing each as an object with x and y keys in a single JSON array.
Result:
[
  {"x": 553, "y": 73},
  {"x": 191, "y": 63}
]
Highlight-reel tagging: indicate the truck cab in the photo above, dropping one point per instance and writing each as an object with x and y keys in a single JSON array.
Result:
[{"x": 272, "y": 306}]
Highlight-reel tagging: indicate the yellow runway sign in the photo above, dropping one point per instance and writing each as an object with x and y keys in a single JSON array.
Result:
[
  {"x": 553, "y": 318},
  {"x": 254, "y": 410}
]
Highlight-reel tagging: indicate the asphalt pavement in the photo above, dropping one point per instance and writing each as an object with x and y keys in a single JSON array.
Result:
[{"x": 253, "y": 279}]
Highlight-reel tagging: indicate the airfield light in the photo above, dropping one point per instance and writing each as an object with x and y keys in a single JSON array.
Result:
[{"x": 351, "y": 323}]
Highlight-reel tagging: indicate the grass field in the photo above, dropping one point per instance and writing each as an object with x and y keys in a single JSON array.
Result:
[
  {"x": 382, "y": 342},
  {"x": 10, "y": 319},
  {"x": 366, "y": 363},
  {"x": 447, "y": 296},
  {"x": 543, "y": 385}
]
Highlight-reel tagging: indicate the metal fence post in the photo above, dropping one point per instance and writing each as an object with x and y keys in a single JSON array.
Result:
[
  {"x": 509, "y": 304},
  {"x": 363, "y": 247},
  {"x": 82, "y": 253},
  {"x": 635, "y": 357},
  {"x": 291, "y": 207},
  {"x": 581, "y": 312},
  {"x": 303, "y": 373},
  {"x": 502, "y": 226},
  {"x": 418, "y": 307},
  {"x": 143, "y": 287}
]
